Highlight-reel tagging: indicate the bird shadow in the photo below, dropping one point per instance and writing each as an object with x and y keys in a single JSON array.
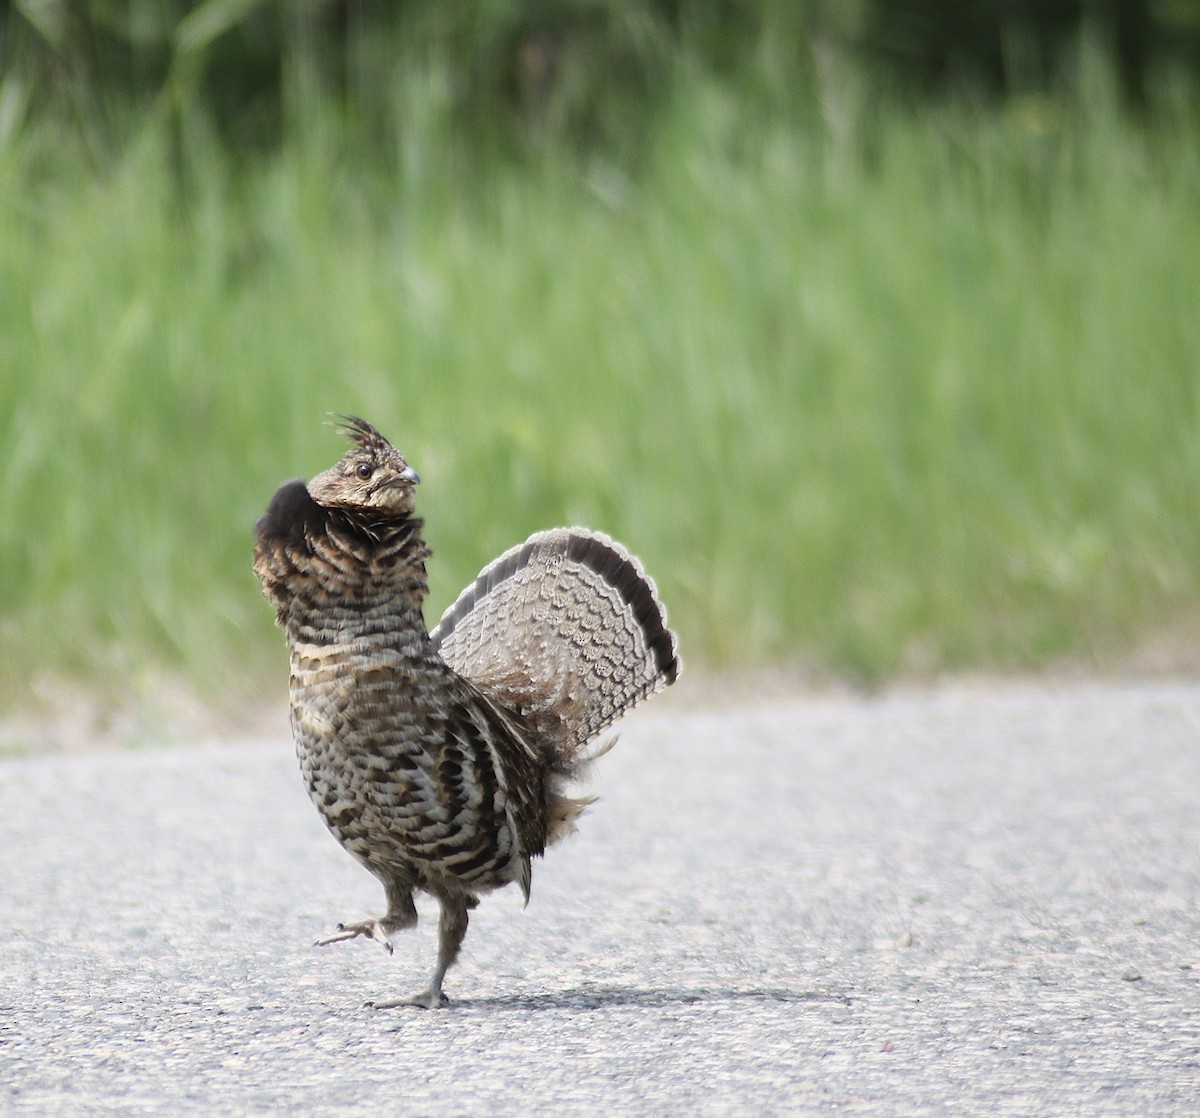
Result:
[{"x": 603, "y": 997}]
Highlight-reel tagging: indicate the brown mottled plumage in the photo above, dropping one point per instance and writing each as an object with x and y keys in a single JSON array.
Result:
[{"x": 441, "y": 762}]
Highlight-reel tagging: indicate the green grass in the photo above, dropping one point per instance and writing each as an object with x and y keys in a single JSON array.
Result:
[{"x": 915, "y": 391}]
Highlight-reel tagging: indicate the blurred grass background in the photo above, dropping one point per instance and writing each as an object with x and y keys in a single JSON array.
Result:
[{"x": 877, "y": 379}]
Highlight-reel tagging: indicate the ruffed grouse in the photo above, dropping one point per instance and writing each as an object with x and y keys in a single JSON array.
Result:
[{"x": 442, "y": 760}]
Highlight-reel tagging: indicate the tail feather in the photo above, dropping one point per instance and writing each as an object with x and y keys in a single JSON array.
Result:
[{"x": 568, "y": 630}]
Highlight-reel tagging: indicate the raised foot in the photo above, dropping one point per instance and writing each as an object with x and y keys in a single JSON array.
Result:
[
  {"x": 426, "y": 999},
  {"x": 369, "y": 927}
]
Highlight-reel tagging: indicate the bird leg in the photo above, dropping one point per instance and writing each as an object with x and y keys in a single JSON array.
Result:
[
  {"x": 371, "y": 926},
  {"x": 401, "y": 913},
  {"x": 451, "y": 929}
]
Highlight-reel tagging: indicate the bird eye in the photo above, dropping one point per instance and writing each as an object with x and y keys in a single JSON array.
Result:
[{"x": 365, "y": 470}]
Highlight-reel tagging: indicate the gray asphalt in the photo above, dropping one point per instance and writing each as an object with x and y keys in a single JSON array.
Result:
[{"x": 952, "y": 902}]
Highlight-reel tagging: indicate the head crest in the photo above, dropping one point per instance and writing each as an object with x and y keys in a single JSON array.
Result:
[{"x": 358, "y": 430}]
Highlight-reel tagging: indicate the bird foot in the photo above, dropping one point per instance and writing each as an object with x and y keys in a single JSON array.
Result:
[
  {"x": 426, "y": 999},
  {"x": 369, "y": 927}
]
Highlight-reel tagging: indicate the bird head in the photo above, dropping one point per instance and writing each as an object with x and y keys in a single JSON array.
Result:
[{"x": 372, "y": 479}]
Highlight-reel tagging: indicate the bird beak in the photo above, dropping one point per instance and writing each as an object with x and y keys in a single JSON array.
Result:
[{"x": 410, "y": 475}]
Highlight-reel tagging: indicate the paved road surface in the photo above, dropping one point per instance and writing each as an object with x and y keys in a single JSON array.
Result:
[{"x": 956, "y": 902}]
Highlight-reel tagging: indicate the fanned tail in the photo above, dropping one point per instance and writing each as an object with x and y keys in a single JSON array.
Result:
[{"x": 568, "y": 630}]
